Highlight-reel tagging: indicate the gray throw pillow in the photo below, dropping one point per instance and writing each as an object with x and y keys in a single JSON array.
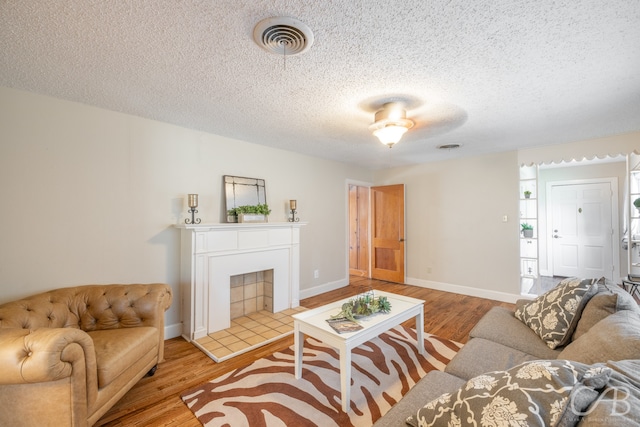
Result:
[
  {"x": 617, "y": 337},
  {"x": 553, "y": 316},
  {"x": 536, "y": 393},
  {"x": 609, "y": 299}
]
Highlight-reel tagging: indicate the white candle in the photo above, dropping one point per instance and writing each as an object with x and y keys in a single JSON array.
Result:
[
  {"x": 292, "y": 204},
  {"x": 193, "y": 200}
]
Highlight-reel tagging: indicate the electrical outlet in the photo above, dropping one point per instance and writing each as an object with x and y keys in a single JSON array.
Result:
[
  {"x": 505, "y": 218},
  {"x": 316, "y": 274}
]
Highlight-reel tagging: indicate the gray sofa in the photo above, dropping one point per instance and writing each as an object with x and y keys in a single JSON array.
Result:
[{"x": 605, "y": 332}]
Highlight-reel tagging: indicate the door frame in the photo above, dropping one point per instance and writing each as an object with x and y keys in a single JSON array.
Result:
[
  {"x": 615, "y": 221},
  {"x": 349, "y": 182}
]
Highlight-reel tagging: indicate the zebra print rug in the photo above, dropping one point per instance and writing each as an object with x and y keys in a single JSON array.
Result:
[{"x": 266, "y": 393}]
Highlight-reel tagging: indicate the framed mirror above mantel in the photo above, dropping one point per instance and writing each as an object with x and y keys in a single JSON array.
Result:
[
  {"x": 243, "y": 191},
  {"x": 580, "y": 191}
]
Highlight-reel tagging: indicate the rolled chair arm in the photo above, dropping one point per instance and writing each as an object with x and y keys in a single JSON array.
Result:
[{"x": 46, "y": 354}]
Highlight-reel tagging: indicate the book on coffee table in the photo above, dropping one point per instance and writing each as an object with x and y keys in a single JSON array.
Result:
[{"x": 343, "y": 325}]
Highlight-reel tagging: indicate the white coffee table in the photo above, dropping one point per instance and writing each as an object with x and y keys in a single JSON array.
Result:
[{"x": 314, "y": 323}]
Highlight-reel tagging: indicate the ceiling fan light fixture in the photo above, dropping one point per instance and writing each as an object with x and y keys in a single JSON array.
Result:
[
  {"x": 390, "y": 123},
  {"x": 390, "y": 134}
]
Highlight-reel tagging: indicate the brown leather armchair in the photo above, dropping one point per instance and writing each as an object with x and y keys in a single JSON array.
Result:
[{"x": 68, "y": 355}]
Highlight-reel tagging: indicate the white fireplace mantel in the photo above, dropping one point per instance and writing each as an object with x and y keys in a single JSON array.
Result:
[{"x": 212, "y": 253}]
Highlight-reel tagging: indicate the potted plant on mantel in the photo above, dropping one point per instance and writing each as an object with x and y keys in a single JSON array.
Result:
[
  {"x": 527, "y": 229},
  {"x": 251, "y": 213}
]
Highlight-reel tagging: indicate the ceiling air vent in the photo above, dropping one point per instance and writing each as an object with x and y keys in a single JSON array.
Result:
[
  {"x": 449, "y": 146},
  {"x": 283, "y": 36}
]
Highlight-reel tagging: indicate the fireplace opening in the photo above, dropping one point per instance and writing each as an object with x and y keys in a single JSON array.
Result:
[{"x": 251, "y": 292}]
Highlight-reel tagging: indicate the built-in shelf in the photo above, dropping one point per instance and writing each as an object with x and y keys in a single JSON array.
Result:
[
  {"x": 529, "y": 265},
  {"x": 633, "y": 188}
]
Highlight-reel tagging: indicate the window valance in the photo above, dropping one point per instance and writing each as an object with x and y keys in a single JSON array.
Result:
[{"x": 589, "y": 149}]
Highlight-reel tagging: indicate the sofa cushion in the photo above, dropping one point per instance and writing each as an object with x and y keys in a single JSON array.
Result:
[
  {"x": 479, "y": 356},
  {"x": 609, "y": 299},
  {"x": 501, "y": 326},
  {"x": 617, "y": 337},
  {"x": 619, "y": 403},
  {"x": 429, "y": 387},
  {"x": 117, "y": 349},
  {"x": 538, "y": 393},
  {"x": 554, "y": 315}
]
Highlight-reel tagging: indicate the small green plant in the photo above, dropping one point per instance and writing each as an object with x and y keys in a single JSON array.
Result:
[
  {"x": 260, "y": 209},
  {"x": 527, "y": 194},
  {"x": 527, "y": 230},
  {"x": 363, "y": 305},
  {"x": 636, "y": 203}
]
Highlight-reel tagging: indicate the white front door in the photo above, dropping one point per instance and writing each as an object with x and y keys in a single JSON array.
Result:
[{"x": 581, "y": 230}]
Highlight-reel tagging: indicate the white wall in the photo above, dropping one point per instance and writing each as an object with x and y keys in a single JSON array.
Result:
[
  {"x": 456, "y": 239},
  {"x": 90, "y": 196}
]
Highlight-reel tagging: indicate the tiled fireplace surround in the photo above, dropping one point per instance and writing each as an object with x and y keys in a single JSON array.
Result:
[{"x": 251, "y": 292}]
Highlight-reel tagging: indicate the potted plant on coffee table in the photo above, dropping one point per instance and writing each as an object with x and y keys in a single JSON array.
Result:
[
  {"x": 363, "y": 305},
  {"x": 527, "y": 229}
]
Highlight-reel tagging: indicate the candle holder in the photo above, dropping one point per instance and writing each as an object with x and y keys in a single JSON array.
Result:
[
  {"x": 193, "y": 220},
  {"x": 293, "y": 204},
  {"x": 193, "y": 204}
]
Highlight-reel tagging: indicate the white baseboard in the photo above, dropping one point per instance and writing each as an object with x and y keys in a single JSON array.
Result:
[
  {"x": 440, "y": 286},
  {"x": 464, "y": 290},
  {"x": 317, "y": 290},
  {"x": 172, "y": 331}
]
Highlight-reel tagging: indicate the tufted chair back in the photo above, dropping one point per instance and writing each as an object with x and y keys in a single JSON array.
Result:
[
  {"x": 90, "y": 308},
  {"x": 48, "y": 310}
]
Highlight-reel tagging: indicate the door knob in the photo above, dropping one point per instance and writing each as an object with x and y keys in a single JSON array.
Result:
[
  {"x": 401, "y": 240},
  {"x": 555, "y": 236}
]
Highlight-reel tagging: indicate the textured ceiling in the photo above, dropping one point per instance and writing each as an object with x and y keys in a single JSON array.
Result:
[{"x": 492, "y": 75}]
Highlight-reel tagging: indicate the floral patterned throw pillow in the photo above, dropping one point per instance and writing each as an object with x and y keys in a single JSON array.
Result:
[
  {"x": 538, "y": 393},
  {"x": 555, "y": 314}
]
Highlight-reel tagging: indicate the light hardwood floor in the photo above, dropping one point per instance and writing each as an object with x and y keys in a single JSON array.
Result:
[{"x": 155, "y": 401}]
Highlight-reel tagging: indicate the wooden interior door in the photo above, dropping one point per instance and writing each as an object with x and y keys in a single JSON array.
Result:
[
  {"x": 358, "y": 231},
  {"x": 387, "y": 233}
]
